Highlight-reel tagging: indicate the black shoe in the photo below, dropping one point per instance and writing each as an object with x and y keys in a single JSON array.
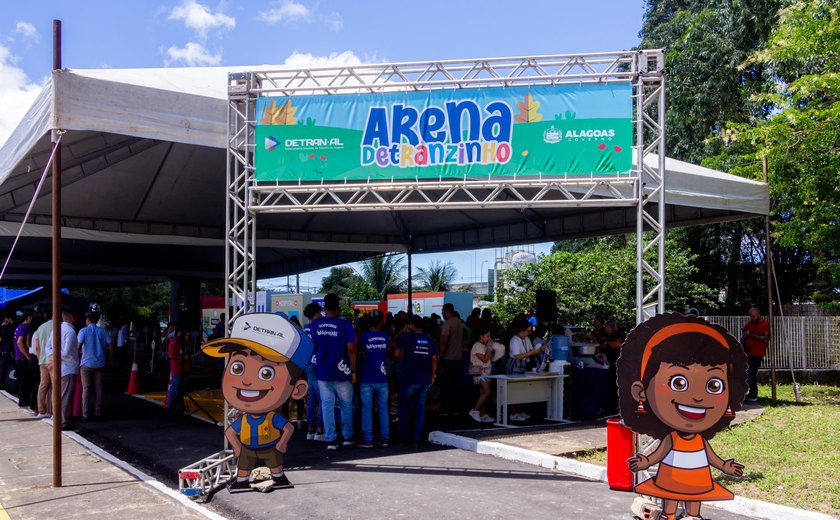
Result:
[
  {"x": 68, "y": 427},
  {"x": 384, "y": 443},
  {"x": 282, "y": 482},
  {"x": 332, "y": 445},
  {"x": 366, "y": 444},
  {"x": 238, "y": 486}
]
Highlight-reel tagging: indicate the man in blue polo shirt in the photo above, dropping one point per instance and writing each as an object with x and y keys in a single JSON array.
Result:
[
  {"x": 314, "y": 414},
  {"x": 335, "y": 351},
  {"x": 95, "y": 343},
  {"x": 373, "y": 378},
  {"x": 419, "y": 354}
]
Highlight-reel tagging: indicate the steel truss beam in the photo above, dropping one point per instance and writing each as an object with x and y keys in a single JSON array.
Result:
[
  {"x": 458, "y": 194},
  {"x": 444, "y": 74}
]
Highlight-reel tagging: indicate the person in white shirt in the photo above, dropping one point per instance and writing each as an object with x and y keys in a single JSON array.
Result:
[
  {"x": 69, "y": 351},
  {"x": 482, "y": 355},
  {"x": 521, "y": 351}
]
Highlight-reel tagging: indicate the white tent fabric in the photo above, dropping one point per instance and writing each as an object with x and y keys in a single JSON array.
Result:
[{"x": 144, "y": 184}]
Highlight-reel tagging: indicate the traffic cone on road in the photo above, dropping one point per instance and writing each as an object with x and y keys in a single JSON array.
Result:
[{"x": 134, "y": 379}]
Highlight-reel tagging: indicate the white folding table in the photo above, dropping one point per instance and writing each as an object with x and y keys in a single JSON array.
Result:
[{"x": 531, "y": 387}]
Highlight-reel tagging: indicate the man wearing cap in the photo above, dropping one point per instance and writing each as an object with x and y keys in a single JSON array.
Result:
[
  {"x": 335, "y": 349},
  {"x": 267, "y": 355}
]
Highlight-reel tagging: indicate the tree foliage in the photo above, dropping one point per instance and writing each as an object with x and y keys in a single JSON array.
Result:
[
  {"x": 143, "y": 302},
  {"x": 800, "y": 138},
  {"x": 438, "y": 276},
  {"x": 707, "y": 42},
  {"x": 712, "y": 82},
  {"x": 385, "y": 274},
  {"x": 600, "y": 279},
  {"x": 339, "y": 281}
]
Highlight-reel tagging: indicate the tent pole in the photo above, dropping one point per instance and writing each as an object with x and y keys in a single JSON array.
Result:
[
  {"x": 410, "y": 303},
  {"x": 56, "y": 275},
  {"x": 769, "y": 268}
]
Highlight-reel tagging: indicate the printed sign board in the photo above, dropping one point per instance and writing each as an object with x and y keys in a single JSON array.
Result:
[{"x": 490, "y": 132}]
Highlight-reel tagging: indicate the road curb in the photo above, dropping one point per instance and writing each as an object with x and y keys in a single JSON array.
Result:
[{"x": 741, "y": 505}]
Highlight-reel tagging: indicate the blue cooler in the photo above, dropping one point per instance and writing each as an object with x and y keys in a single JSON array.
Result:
[{"x": 559, "y": 347}]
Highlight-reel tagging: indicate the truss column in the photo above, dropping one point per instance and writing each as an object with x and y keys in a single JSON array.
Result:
[{"x": 649, "y": 91}]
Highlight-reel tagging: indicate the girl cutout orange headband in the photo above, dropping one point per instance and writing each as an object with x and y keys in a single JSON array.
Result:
[{"x": 679, "y": 328}]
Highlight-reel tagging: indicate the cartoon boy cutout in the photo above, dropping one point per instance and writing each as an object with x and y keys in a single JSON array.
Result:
[
  {"x": 679, "y": 379},
  {"x": 266, "y": 355}
]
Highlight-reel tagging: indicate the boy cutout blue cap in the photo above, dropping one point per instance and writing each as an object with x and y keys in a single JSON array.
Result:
[{"x": 272, "y": 336}]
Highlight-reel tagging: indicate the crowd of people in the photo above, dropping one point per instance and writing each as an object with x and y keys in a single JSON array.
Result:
[
  {"x": 378, "y": 359},
  {"x": 386, "y": 364},
  {"x": 82, "y": 355}
]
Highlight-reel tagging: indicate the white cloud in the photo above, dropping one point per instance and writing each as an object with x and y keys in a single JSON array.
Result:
[
  {"x": 333, "y": 21},
  {"x": 26, "y": 29},
  {"x": 199, "y": 18},
  {"x": 335, "y": 59},
  {"x": 17, "y": 92},
  {"x": 288, "y": 11},
  {"x": 192, "y": 54}
]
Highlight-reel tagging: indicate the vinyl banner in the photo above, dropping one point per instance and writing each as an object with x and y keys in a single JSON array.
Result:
[{"x": 487, "y": 132}]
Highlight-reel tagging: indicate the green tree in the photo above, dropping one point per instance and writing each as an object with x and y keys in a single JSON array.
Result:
[
  {"x": 598, "y": 280},
  {"x": 385, "y": 274},
  {"x": 800, "y": 138},
  {"x": 710, "y": 83},
  {"x": 339, "y": 281},
  {"x": 438, "y": 276},
  {"x": 362, "y": 291},
  {"x": 707, "y": 42},
  {"x": 144, "y": 302}
]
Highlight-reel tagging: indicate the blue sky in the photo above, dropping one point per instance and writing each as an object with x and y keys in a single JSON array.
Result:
[{"x": 148, "y": 33}]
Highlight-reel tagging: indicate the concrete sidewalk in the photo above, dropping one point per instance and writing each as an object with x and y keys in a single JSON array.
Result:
[
  {"x": 564, "y": 439},
  {"x": 92, "y": 486}
]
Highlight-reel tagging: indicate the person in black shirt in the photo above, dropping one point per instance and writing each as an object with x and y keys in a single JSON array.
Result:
[
  {"x": 613, "y": 338},
  {"x": 7, "y": 346}
]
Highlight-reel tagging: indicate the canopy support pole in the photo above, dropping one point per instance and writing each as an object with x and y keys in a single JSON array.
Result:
[
  {"x": 768, "y": 260},
  {"x": 56, "y": 276},
  {"x": 410, "y": 291}
]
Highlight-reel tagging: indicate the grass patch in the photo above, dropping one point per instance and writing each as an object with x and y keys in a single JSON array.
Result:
[{"x": 791, "y": 453}]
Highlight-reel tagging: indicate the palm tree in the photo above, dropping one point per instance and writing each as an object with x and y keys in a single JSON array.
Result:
[
  {"x": 384, "y": 273},
  {"x": 437, "y": 277}
]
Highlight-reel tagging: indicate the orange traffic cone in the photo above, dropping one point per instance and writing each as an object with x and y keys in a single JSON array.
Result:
[{"x": 134, "y": 379}]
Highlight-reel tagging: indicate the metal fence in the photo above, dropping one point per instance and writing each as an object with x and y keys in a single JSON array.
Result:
[{"x": 807, "y": 342}]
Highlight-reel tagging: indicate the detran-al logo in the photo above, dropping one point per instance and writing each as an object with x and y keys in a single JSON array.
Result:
[{"x": 247, "y": 326}]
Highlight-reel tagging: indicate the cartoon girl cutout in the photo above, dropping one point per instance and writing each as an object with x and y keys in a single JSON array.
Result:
[{"x": 679, "y": 379}]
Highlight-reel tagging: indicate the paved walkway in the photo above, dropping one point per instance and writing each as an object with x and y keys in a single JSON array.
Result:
[
  {"x": 92, "y": 487},
  {"x": 564, "y": 439}
]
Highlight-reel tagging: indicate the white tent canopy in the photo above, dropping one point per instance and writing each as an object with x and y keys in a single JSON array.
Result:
[{"x": 144, "y": 191}]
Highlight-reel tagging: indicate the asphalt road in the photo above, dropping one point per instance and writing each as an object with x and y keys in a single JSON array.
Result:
[{"x": 403, "y": 481}]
